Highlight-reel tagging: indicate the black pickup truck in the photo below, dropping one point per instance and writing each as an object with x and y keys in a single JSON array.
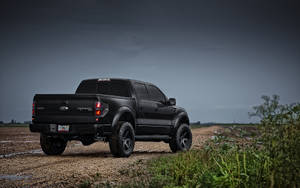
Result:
[{"x": 120, "y": 111}]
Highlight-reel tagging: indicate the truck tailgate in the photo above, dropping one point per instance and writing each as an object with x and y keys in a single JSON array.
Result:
[{"x": 65, "y": 108}]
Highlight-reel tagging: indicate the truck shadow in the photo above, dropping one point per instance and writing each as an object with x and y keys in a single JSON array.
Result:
[
  {"x": 100, "y": 154},
  {"x": 105, "y": 154},
  {"x": 150, "y": 152}
]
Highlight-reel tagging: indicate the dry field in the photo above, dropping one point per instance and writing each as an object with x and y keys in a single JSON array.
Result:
[{"x": 22, "y": 163}]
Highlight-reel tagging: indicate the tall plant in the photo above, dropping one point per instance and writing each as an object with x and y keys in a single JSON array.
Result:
[{"x": 280, "y": 128}]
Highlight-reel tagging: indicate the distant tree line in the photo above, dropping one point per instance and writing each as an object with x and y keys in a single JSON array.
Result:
[{"x": 13, "y": 121}]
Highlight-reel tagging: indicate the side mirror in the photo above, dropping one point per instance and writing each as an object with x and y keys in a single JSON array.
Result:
[{"x": 172, "y": 101}]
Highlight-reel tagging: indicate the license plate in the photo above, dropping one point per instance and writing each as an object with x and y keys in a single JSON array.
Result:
[{"x": 63, "y": 128}]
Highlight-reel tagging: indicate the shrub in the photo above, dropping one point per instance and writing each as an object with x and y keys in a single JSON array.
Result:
[
  {"x": 217, "y": 165},
  {"x": 272, "y": 159},
  {"x": 280, "y": 127}
]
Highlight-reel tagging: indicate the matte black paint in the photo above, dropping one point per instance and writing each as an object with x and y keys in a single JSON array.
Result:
[{"x": 148, "y": 117}]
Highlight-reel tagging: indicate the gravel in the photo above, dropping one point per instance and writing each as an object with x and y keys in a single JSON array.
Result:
[{"x": 78, "y": 162}]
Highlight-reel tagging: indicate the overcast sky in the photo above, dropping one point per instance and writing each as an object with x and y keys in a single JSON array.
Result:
[{"x": 215, "y": 57}]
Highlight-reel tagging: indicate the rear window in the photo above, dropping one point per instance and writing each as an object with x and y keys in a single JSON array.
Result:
[
  {"x": 114, "y": 87},
  {"x": 87, "y": 86},
  {"x": 105, "y": 87}
]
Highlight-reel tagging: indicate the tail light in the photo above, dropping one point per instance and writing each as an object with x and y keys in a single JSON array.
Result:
[
  {"x": 33, "y": 108},
  {"x": 98, "y": 109}
]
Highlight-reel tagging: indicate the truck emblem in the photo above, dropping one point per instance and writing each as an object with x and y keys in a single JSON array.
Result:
[
  {"x": 84, "y": 109},
  {"x": 63, "y": 108}
]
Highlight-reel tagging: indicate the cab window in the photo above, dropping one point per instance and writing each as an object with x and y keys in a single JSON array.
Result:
[
  {"x": 141, "y": 91},
  {"x": 155, "y": 94}
]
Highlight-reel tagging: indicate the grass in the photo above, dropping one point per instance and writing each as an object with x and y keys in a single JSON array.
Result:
[
  {"x": 222, "y": 162},
  {"x": 227, "y": 160},
  {"x": 238, "y": 157},
  {"x": 85, "y": 184}
]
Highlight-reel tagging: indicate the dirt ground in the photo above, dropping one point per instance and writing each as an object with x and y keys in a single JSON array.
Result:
[{"x": 22, "y": 163}]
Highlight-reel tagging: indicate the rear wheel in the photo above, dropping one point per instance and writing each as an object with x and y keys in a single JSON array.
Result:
[
  {"x": 51, "y": 145},
  {"x": 182, "y": 139},
  {"x": 122, "y": 141}
]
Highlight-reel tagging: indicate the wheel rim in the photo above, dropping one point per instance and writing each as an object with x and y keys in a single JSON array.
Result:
[
  {"x": 58, "y": 144},
  {"x": 127, "y": 141},
  {"x": 184, "y": 140}
]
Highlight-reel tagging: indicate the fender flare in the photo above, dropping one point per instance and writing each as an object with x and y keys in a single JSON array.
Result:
[
  {"x": 119, "y": 113},
  {"x": 180, "y": 116}
]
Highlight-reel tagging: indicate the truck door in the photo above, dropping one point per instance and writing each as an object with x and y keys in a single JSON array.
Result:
[
  {"x": 161, "y": 113},
  {"x": 143, "y": 107},
  {"x": 154, "y": 116}
]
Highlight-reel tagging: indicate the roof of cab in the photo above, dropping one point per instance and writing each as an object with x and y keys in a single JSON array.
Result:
[{"x": 125, "y": 79}]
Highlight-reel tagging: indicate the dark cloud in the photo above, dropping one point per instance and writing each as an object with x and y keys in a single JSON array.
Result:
[{"x": 216, "y": 57}]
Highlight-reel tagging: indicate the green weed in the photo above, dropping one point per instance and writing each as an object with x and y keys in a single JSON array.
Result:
[
  {"x": 240, "y": 156},
  {"x": 85, "y": 184}
]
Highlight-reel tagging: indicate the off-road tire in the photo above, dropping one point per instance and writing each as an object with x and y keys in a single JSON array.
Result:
[
  {"x": 51, "y": 145},
  {"x": 182, "y": 139},
  {"x": 122, "y": 141}
]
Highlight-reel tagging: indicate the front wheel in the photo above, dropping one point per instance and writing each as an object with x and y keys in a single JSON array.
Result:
[
  {"x": 122, "y": 141},
  {"x": 182, "y": 139},
  {"x": 51, "y": 145}
]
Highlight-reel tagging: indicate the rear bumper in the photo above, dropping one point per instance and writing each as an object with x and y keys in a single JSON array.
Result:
[{"x": 74, "y": 129}]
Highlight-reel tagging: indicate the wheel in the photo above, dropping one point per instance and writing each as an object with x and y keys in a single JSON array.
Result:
[
  {"x": 122, "y": 141},
  {"x": 51, "y": 145},
  {"x": 182, "y": 139}
]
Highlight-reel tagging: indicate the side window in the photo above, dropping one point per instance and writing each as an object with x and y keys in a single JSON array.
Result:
[
  {"x": 141, "y": 91},
  {"x": 155, "y": 94}
]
